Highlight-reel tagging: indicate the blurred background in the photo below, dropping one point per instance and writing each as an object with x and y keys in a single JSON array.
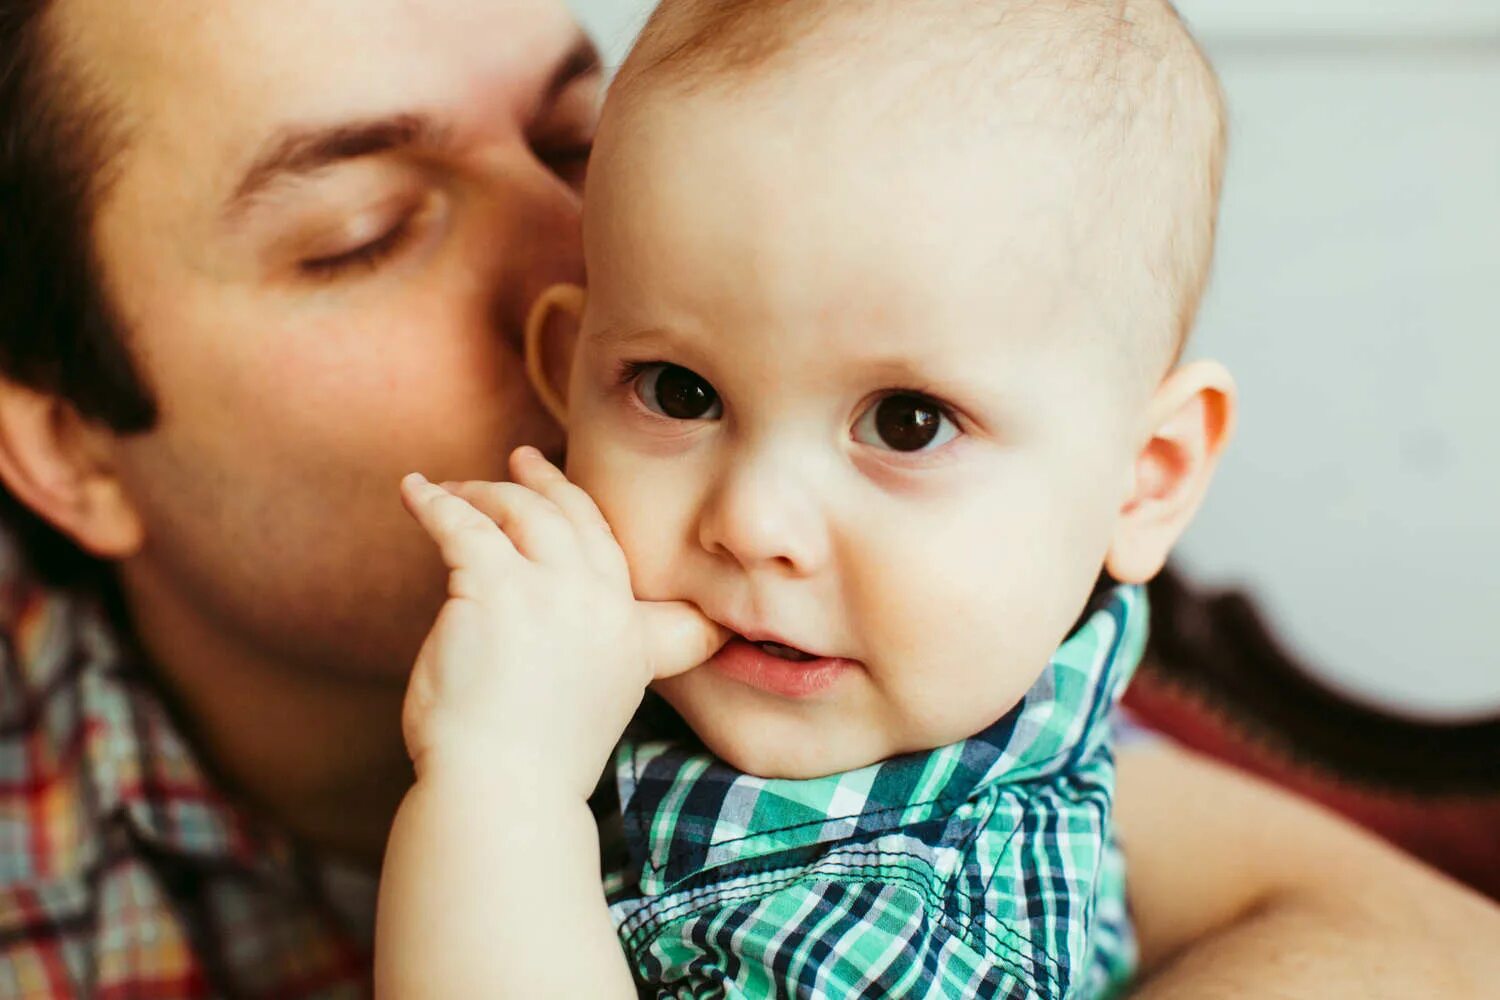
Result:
[{"x": 1357, "y": 300}]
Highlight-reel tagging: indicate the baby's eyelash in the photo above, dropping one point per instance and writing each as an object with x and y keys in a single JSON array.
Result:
[
  {"x": 627, "y": 372},
  {"x": 944, "y": 407}
]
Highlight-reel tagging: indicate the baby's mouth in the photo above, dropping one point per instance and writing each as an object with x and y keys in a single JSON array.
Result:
[
  {"x": 785, "y": 652},
  {"x": 777, "y": 668}
]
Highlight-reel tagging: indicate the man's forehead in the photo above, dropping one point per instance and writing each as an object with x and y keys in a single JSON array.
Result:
[
  {"x": 293, "y": 151},
  {"x": 245, "y": 71}
]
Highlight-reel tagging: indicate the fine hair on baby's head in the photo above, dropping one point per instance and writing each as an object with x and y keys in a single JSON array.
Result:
[{"x": 1120, "y": 86}]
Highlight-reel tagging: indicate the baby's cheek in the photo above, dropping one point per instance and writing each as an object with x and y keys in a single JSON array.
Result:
[
  {"x": 648, "y": 540},
  {"x": 958, "y": 641},
  {"x": 653, "y": 575},
  {"x": 918, "y": 599},
  {"x": 593, "y": 469}
]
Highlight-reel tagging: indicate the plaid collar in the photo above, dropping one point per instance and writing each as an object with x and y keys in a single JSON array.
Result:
[
  {"x": 102, "y": 799},
  {"x": 136, "y": 763},
  {"x": 686, "y": 812},
  {"x": 95, "y": 727}
]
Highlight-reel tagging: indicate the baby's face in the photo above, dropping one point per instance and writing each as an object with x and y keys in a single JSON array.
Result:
[{"x": 848, "y": 401}]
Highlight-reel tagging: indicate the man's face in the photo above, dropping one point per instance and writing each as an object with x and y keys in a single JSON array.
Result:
[{"x": 324, "y": 231}]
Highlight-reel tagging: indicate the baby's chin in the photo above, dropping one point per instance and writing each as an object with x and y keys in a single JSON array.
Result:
[
  {"x": 848, "y": 728},
  {"x": 779, "y": 762},
  {"x": 769, "y": 744}
]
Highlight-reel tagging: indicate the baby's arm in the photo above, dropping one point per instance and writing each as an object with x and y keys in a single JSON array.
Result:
[
  {"x": 535, "y": 665},
  {"x": 490, "y": 890}
]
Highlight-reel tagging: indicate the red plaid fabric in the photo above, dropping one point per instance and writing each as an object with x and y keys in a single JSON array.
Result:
[{"x": 123, "y": 871}]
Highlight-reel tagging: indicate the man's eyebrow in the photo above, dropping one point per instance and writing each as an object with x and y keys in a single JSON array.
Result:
[
  {"x": 301, "y": 151},
  {"x": 581, "y": 61}
]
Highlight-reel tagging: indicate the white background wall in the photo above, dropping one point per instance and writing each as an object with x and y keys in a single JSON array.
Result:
[{"x": 1356, "y": 300}]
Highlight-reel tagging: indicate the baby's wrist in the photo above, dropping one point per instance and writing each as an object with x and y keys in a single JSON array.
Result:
[{"x": 494, "y": 769}]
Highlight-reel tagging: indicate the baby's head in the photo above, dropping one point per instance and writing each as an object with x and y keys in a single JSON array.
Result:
[{"x": 879, "y": 355}]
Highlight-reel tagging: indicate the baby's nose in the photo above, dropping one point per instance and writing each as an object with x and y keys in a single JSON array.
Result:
[{"x": 764, "y": 520}]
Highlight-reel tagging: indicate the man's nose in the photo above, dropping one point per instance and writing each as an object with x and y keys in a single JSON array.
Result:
[{"x": 765, "y": 517}]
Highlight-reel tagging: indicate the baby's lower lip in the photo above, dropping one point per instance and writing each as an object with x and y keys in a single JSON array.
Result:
[{"x": 749, "y": 664}]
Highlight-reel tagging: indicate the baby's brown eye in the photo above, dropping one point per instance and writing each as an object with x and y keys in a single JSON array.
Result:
[
  {"x": 678, "y": 393},
  {"x": 905, "y": 422}
]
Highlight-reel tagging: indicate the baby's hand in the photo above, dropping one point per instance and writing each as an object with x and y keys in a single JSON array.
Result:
[{"x": 541, "y": 654}]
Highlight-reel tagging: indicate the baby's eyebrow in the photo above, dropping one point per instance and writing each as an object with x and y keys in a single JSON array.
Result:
[
  {"x": 893, "y": 368},
  {"x": 617, "y": 338}
]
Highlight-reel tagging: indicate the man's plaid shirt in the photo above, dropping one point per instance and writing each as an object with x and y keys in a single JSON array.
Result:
[
  {"x": 981, "y": 869},
  {"x": 123, "y": 872}
]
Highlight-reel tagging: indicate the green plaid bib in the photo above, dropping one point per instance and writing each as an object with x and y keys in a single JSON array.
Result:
[{"x": 985, "y": 868}]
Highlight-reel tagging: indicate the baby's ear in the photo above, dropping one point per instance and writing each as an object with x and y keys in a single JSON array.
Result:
[
  {"x": 551, "y": 335},
  {"x": 1190, "y": 420}
]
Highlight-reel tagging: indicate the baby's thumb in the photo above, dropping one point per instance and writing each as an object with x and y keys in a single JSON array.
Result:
[{"x": 678, "y": 637}]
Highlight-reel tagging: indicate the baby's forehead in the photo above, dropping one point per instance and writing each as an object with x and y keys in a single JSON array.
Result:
[
  {"x": 807, "y": 191},
  {"x": 1101, "y": 115},
  {"x": 857, "y": 230},
  {"x": 902, "y": 260}
]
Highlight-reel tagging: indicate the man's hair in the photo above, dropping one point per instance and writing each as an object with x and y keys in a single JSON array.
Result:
[
  {"x": 58, "y": 332},
  {"x": 1125, "y": 75}
]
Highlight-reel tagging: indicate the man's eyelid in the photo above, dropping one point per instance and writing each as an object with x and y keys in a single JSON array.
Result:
[
  {"x": 582, "y": 64},
  {"x": 298, "y": 208},
  {"x": 589, "y": 83},
  {"x": 375, "y": 246},
  {"x": 572, "y": 118},
  {"x": 330, "y": 233},
  {"x": 369, "y": 223}
]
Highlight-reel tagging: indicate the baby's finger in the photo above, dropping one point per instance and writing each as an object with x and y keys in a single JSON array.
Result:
[
  {"x": 532, "y": 468},
  {"x": 539, "y": 530},
  {"x": 465, "y": 538},
  {"x": 679, "y": 637}
]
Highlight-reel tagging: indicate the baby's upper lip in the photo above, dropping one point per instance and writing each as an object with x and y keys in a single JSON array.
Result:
[{"x": 756, "y": 634}]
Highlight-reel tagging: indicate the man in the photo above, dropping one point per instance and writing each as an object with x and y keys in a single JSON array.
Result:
[{"x": 254, "y": 254}]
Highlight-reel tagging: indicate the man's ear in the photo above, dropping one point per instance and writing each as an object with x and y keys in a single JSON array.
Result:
[
  {"x": 1190, "y": 420},
  {"x": 58, "y": 465},
  {"x": 551, "y": 336}
]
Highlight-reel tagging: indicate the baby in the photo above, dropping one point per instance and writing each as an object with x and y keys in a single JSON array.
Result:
[{"x": 875, "y": 405}]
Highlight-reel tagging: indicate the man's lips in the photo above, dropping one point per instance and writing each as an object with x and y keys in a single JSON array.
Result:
[{"x": 778, "y": 668}]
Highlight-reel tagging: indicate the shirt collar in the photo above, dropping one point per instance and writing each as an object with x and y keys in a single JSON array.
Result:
[
  {"x": 686, "y": 812},
  {"x": 112, "y": 735}
]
